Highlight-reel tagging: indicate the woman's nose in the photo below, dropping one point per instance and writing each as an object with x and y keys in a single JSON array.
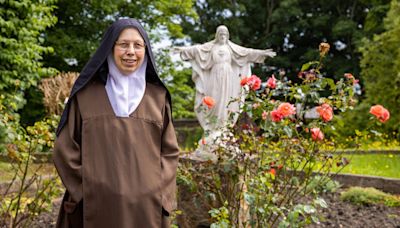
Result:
[{"x": 130, "y": 50}]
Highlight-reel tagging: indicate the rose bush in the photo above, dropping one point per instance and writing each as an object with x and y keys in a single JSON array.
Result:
[{"x": 266, "y": 161}]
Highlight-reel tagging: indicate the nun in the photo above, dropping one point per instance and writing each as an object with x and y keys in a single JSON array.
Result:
[{"x": 116, "y": 150}]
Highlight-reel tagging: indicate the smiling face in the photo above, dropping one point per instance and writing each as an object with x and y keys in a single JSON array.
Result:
[{"x": 129, "y": 51}]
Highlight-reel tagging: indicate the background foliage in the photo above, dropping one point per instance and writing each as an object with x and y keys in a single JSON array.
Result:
[
  {"x": 82, "y": 23},
  {"x": 21, "y": 50},
  {"x": 380, "y": 74},
  {"x": 294, "y": 27}
]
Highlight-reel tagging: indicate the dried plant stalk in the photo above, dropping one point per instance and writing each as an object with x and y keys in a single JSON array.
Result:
[{"x": 56, "y": 91}]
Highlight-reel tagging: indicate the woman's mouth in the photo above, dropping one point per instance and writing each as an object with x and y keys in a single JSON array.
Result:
[{"x": 129, "y": 62}]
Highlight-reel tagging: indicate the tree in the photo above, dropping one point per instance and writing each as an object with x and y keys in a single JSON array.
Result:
[
  {"x": 21, "y": 36},
  {"x": 380, "y": 66},
  {"x": 293, "y": 28},
  {"x": 179, "y": 83},
  {"x": 81, "y": 25},
  {"x": 21, "y": 48},
  {"x": 22, "y": 25}
]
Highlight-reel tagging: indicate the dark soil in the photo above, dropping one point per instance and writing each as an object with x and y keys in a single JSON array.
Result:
[
  {"x": 345, "y": 214},
  {"x": 338, "y": 214},
  {"x": 47, "y": 220}
]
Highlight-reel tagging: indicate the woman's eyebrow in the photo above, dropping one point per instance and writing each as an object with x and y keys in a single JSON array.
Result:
[{"x": 128, "y": 40}]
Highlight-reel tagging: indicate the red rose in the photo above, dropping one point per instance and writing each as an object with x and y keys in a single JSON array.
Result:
[{"x": 276, "y": 116}]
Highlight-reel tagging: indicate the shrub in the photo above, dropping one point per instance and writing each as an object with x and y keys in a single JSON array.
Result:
[{"x": 368, "y": 196}]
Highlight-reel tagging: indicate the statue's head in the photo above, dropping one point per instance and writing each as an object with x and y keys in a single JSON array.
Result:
[{"x": 222, "y": 34}]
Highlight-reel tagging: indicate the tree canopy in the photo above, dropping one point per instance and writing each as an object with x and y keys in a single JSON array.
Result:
[
  {"x": 81, "y": 25},
  {"x": 293, "y": 28},
  {"x": 380, "y": 66},
  {"x": 21, "y": 36}
]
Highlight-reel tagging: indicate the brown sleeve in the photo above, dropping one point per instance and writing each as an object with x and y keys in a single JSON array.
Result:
[
  {"x": 67, "y": 153},
  {"x": 169, "y": 160}
]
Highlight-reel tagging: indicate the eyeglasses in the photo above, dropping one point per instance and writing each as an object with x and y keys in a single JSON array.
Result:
[{"x": 124, "y": 46}]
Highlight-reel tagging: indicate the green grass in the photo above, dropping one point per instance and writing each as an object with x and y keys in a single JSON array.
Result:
[{"x": 385, "y": 165}]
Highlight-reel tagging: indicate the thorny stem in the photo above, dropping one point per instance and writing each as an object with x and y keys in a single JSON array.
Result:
[
  {"x": 288, "y": 193},
  {"x": 23, "y": 182}
]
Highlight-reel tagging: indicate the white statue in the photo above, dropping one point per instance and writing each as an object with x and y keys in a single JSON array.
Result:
[{"x": 217, "y": 67}]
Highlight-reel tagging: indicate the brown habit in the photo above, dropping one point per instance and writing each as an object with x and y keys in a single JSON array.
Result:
[{"x": 118, "y": 171}]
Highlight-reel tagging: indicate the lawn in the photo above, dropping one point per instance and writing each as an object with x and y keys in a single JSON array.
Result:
[{"x": 385, "y": 165}]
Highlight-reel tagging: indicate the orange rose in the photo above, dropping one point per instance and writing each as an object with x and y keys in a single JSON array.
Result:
[
  {"x": 272, "y": 172},
  {"x": 209, "y": 101},
  {"x": 325, "y": 111},
  {"x": 286, "y": 109},
  {"x": 380, "y": 112},
  {"x": 323, "y": 48},
  {"x": 348, "y": 76},
  {"x": 243, "y": 82},
  {"x": 317, "y": 134}
]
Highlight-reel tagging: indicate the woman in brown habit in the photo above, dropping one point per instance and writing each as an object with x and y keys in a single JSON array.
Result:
[{"x": 116, "y": 150}]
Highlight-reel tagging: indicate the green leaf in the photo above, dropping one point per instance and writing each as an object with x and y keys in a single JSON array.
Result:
[
  {"x": 321, "y": 202},
  {"x": 306, "y": 66},
  {"x": 309, "y": 209}
]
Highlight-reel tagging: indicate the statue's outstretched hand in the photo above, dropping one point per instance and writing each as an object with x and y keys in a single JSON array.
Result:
[
  {"x": 177, "y": 49},
  {"x": 270, "y": 53}
]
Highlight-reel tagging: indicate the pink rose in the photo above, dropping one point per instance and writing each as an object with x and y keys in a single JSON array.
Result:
[
  {"x": 317, "y": 134},
  {"x": 254, "y": 82},
  {"x": 271, "y": 83},
  {"x": 264, "y": 115}
]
